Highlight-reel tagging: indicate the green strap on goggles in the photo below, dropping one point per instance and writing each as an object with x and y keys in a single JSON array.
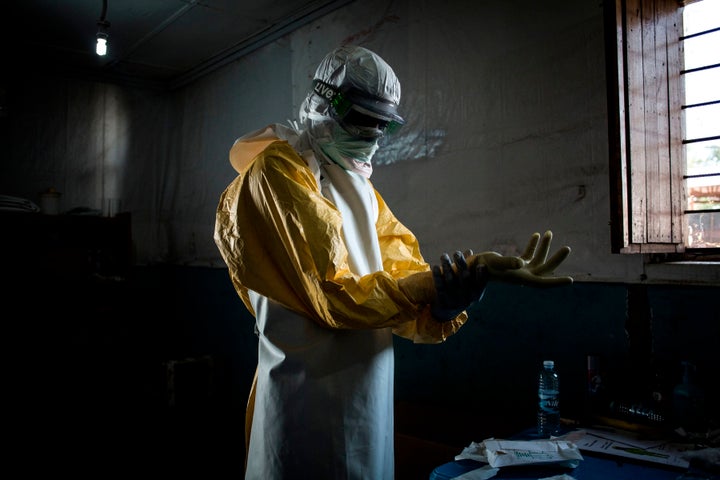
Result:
[{"x": 350, "y": 113}]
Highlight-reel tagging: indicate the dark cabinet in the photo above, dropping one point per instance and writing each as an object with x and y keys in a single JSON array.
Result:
[{"x": 33, "y": 244}]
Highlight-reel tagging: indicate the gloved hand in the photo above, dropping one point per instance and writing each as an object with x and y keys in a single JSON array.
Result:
[
  {"x": 457, "y": 285},
  {"x": 531, "y": 268}
]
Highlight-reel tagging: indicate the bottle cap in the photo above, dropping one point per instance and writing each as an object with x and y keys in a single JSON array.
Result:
[{"x": 548, "y": 363}]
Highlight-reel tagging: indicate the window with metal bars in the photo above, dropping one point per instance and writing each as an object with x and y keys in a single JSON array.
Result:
[
  {"x": 700, "y": 43},
  {"x": 664, "y": 128}
]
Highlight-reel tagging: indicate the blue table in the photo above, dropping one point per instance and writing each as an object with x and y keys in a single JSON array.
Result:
[
  {"x": 594, "y": 466},
  {"x": 591, "y": 468}
]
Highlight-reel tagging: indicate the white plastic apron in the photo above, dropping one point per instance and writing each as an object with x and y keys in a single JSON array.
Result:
[{"x": 324, "y": 399}]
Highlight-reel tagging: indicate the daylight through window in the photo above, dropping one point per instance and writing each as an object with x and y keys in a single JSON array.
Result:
[
  {"x": 664, "y": 127},
  {"x": 701, "y": 75}
]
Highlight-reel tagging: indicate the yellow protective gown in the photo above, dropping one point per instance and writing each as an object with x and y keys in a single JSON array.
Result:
[{"x": 316, "y": 255}]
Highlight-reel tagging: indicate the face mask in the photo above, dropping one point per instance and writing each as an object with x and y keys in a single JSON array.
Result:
[{"x": 343, "y": 147}]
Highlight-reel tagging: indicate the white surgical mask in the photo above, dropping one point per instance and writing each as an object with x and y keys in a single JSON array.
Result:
[{"x": 349, "y": 152}]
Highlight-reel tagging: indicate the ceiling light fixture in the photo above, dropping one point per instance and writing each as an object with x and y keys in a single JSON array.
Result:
[{"x": 102, "y": 35}]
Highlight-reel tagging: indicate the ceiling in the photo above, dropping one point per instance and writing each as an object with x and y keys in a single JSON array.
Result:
[{"x": 165, "y": 43}]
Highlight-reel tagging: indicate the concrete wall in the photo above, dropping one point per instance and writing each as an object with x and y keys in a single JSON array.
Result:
[{"x": 506, "y": 133}]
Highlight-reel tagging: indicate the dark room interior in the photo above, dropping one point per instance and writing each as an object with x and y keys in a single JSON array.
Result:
[{"x": 129, "y": 350}]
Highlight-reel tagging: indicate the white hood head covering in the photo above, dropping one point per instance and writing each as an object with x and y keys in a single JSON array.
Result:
[{"x": 352, "y": 81}]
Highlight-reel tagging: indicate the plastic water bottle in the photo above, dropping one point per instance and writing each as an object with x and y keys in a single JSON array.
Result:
[
  {"x": 548, "y": 414},
  {"x": 689, "y": 401}
]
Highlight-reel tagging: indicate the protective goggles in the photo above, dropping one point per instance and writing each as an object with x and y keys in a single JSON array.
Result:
[{"x": 360, "y": 114}]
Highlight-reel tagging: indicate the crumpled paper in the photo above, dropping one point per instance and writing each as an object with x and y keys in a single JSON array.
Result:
[{"x": 505, "y": 453}]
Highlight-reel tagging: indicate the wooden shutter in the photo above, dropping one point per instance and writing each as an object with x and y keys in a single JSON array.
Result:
[{"x": 645, "y": 125}]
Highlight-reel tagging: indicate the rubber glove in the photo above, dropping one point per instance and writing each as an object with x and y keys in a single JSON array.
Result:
[
  {"x": 457, "y": 285},
  {"x": 531, "y": 268}
]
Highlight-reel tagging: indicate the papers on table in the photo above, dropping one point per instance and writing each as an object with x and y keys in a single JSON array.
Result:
[{"x": 625, "y": 444}]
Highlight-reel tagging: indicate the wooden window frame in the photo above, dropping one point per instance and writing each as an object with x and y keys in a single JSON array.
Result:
[{"x": 645, "y": 125}]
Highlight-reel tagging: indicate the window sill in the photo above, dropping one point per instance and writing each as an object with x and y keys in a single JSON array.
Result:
[
  {"x": 683, "y": 272},
  {"x": 655, "y": 272}
]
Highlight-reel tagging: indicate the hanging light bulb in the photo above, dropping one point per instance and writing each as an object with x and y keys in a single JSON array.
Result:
[
  {"x": 101, "y": 47},
  {"x": 102, "y": 35}
]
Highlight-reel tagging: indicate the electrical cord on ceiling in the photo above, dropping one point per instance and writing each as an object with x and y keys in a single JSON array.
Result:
[{"x": 102, "y": 35}]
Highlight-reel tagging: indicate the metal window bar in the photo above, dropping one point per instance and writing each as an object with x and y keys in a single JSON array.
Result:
[
  {"x": 705, "y": 32},
  {"x": 702, "y": 139},
  {"x": 699, "y": 69},
  {"x": 703, "y": 104},
  {"x": 702, "y": 175}
]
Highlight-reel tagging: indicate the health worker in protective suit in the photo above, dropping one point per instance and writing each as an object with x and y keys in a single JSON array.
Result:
[{"x": 330, "y": 275}]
